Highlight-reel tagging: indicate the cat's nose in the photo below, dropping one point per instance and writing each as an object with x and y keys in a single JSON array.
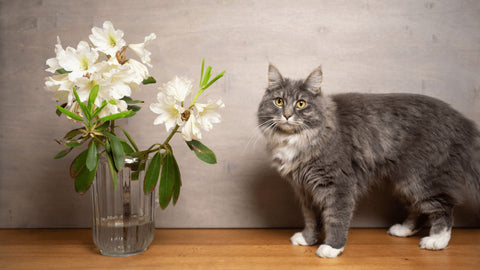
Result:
[{"x": 287, "y": 116}]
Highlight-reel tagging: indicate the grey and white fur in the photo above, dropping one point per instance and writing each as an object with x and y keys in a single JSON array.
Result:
[{"x": 332, "y": 149}]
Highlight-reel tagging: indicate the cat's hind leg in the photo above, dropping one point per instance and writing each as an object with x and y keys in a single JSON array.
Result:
[
  {"x": 440, "y": 231},
  {"x": 409, "y": 226}
]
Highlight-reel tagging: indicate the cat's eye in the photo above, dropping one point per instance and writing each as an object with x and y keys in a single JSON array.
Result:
[
  {"x": 301, "y": 104},
  {"x": 279, "y": 102}
]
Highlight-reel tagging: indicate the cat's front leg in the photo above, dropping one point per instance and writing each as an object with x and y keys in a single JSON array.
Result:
[
  {"x": 337, "y": 215},
  {"x": 309, "y": 235}
]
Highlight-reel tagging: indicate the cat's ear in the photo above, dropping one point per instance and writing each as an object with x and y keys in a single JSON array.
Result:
[
  {"x": 314, "y": 81},
  {"x": 275, "y": 79}
]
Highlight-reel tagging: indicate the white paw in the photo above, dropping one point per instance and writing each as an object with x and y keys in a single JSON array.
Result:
[
  {"x": 326, "y": 251},
  {"x": 437, "y": 241},
  {"x": 298, "y": 240},
  {"x": 400, "y": 230}
]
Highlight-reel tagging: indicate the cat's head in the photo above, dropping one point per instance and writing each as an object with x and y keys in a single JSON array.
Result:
[{"x": 290, "y": 106}]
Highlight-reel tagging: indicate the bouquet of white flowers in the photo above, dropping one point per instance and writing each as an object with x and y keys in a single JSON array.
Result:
[{"x": 94, "y": 82}]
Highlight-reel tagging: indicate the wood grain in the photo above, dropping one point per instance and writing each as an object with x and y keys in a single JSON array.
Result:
[{"x": 233, "y": 249}]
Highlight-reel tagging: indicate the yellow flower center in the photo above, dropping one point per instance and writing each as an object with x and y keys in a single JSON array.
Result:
[
  {"x": 113, "y": 42},
  {"x": 84, "y": 63}
]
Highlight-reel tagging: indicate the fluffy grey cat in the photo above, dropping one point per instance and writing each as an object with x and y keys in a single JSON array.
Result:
[{"x": 334, "y": 148}]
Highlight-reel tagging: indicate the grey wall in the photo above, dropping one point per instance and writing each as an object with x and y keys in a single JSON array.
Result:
[{"x": 428, "y": 47}]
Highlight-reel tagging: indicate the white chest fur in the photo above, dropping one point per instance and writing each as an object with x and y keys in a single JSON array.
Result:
[{"x": 286, "y": 151}]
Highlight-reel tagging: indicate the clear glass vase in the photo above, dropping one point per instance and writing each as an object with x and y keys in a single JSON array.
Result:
[{"x": 123, "y": 219}]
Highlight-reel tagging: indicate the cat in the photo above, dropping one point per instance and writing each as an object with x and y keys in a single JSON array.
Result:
[{"x": 332, "y": 149}]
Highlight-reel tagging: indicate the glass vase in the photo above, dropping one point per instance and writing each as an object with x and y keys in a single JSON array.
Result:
[{"x": 123, "y": 219}]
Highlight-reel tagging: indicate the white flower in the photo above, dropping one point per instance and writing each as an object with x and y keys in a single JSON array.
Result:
[
  {"x": 190, "y": 130},
  {"x": 139, "y": 49},
  {"x": 110, "y": 88},
  {"x": 62, "y": 86},
  {"x": 52, "y": 63},
  {"x": 58, "y": 83},
  {"x": 178, "y": 88},
  {"x": 80, "y": 61},
  {"x": 107, "y": 40},
  {"x": 191, "y": 119},
  {"x": 116, "y": 81},
  {"x": 169, "y": 112},
  {"x": 87, "y": 69},
  {"x": 139, "y": 71},
  {"x": 208, "y": 115}
]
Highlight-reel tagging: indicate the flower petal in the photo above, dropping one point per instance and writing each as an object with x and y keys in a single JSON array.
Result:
[
  {"x": 191, "y": 131},
  {"x": 169, "y": 113},
  {"x": 139, "y": 49},
  {"x": 208, "y": 115},
  {"x": 178, "y": 88}
]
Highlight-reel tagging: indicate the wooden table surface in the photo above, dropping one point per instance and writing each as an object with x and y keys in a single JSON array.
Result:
[{"x": 233, "y": 249}]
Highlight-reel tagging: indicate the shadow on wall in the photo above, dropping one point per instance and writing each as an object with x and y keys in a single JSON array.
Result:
[
  {"x": 382, "y": 208},
  {"x": 278, "y": 207},
  {"x": 275, "y": 205},
  {"x": 379, "y": 208}
]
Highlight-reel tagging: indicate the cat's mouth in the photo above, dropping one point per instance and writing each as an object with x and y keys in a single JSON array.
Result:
[{"x": 288, "y": 126}]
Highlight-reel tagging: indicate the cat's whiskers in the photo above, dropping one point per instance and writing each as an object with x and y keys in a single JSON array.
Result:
[{"x": 257, "y": 132}]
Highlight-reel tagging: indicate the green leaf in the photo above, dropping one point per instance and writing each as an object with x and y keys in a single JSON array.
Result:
[
  {"x": 91, "y": 157},
  {"x": 103, "y": 126},
  {"x": 153, "y": 171},
  {"x": 130, "y": 101},
  {"x": 178, "y": 181},
  {"x": 99, "y": 109},
  {"x": 201, "y": 73},
  {"x": 215, "y": 79},
  {"x": 113, "y": 171},
  {"x": 202, "y": 152},
  {"x": 115, "y": 116},
  {"x": 73, "y": 143},
  {"x": 149, "y": 80},
  {"x": 63, "y": 153},
  {"x": 74, "y": 132},
  {"x": 107, "y": 147},
  {"x": 132, "y": 142},
  {"x": 134, "y": 108},
  {"x": 82, "y": 105},
  {"x": 126, "y": 147},
  {"x": 92, "y": 97},
  {"x": 58, "y": 112},
  {"x": 78, "y": 164},
  {"x": 85, "y": 179},
  {"x": 70, "y": 114},
  {"x": 167, "y": 180},
  {"x": 62, "y": 71},
  {"x": 207, "y": 76},
  {"x": 117, "y": 150}
]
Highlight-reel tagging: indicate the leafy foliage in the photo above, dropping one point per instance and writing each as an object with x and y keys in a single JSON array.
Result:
[{"x": 99, "y": 134}]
